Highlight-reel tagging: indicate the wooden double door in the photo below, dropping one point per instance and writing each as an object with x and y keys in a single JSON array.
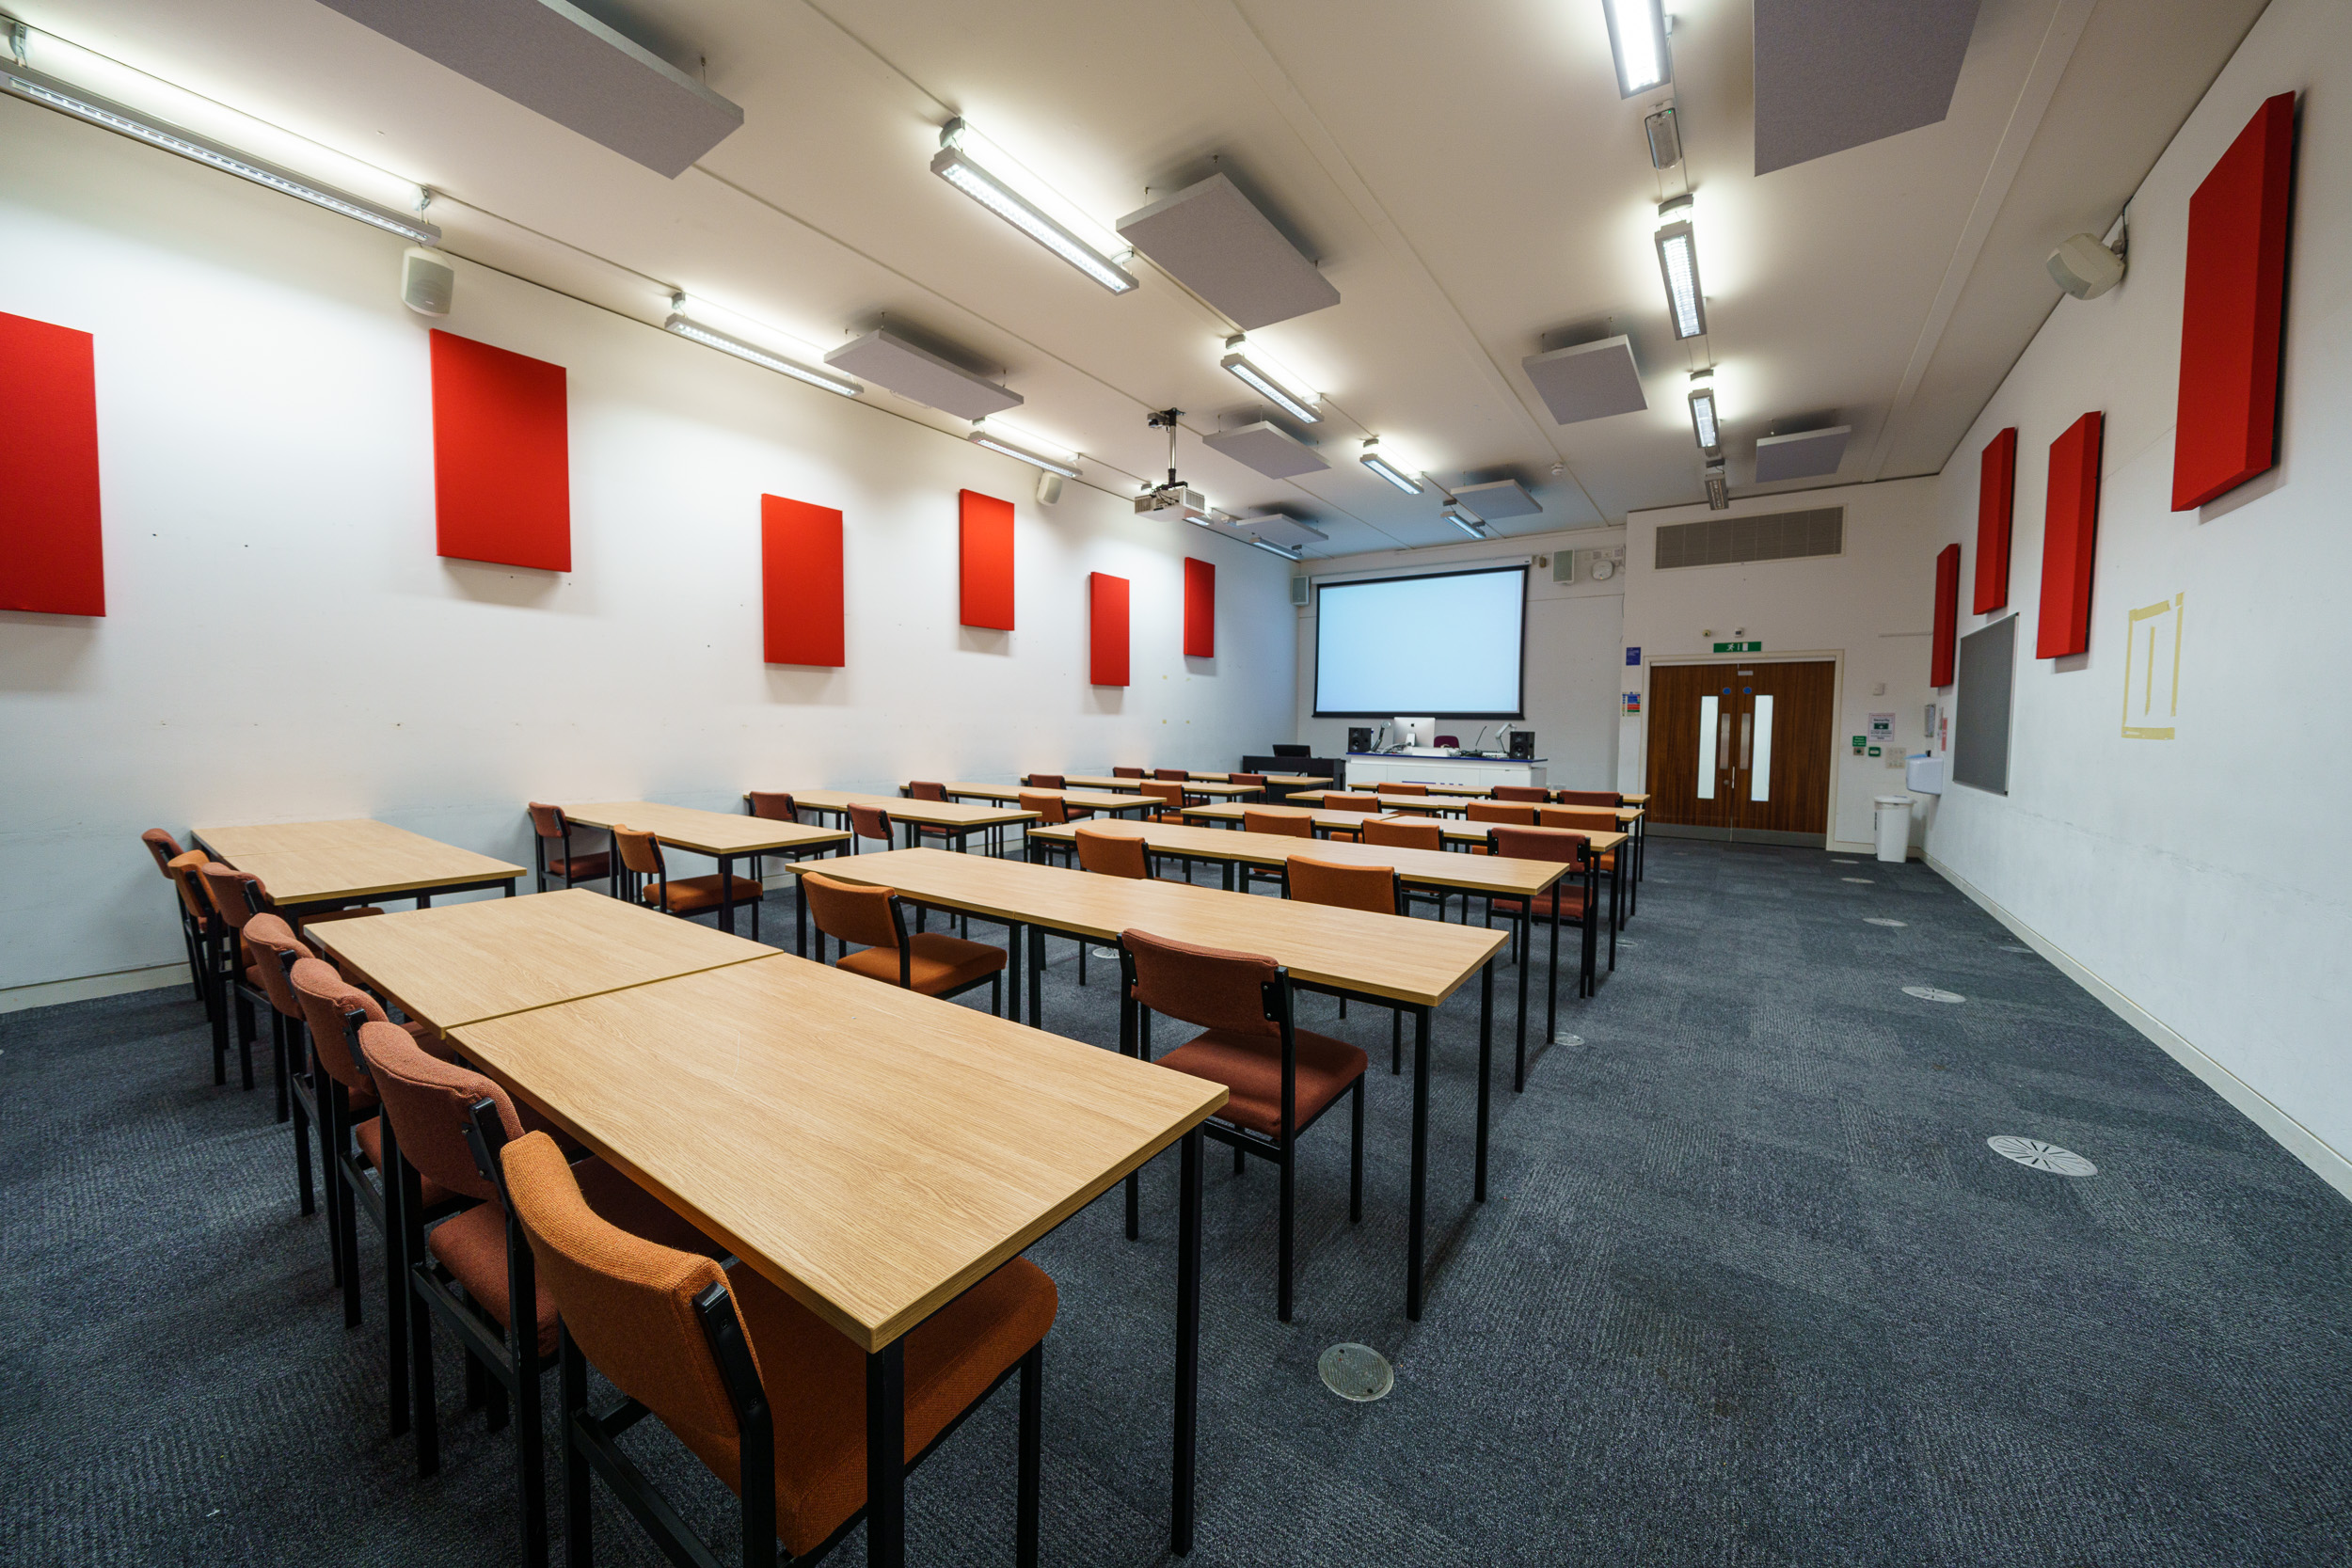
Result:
[{"x": 1742, "y": 749}]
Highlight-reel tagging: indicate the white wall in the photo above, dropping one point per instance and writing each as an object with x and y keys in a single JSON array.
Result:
[
  {"x": 2200, "y": 881},
  {"x": 283, "y": 645},
  {"x": 1870, "y": 610},
  {"x": 1572, "y": 641}
]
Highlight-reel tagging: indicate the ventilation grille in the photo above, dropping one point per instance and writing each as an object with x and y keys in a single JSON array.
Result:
[{"x": 1776, "y": 536}]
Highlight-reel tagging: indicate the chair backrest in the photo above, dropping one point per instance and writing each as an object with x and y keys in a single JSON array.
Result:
[
  {"x": 1577, "y": 820},
  {"x": 1127, "y": 773},
  {"x": 185, "y": 869},
  {"x": 627, "y": 1302},
  {"x": 1404, "y": 789},
  {"x": 1521, "y": 792},
  {"x": 1208, "y": 987},
  {"x": 1283, "y": 822},
  {"x": 224, "y": 889},
  {"x": 1048, "y": 806},
  {"x": 1179, "y": 774},
  {"x": 640, "y": 852},
  {"x": 1404, "y": 835},
  {"x": 1537, "y": 844},
  {"x": 271, "y": 941},
  {"x": 1609, "y": 797},
  {"x": 1494, "y": 811},
  {"x": 1371, "y": 888},
  {"x": 547, "y": 821},
  {"x": 430, "y": 1102},
  {"x": 1044, "y": 780},
  {"x": 1247, "y": 780},
  {"x": 851, "y": 912},
  {"x": 1113, "y": 854},
  {"x": 1368, "y": 805},
  {"x": 1170, "y": 794},
  {"x": 869, "y": 821},
  {"x": 325, "y": 999},
  {"x": 922, "y": 789},
  {"x": 165, "y": 847},
  {"x": 774, "y": 805}
]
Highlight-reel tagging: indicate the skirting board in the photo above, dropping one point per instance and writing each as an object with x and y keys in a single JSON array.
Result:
[
  {"x": 84, "y": 987},
  {"x": 2289, "y": 1134}
]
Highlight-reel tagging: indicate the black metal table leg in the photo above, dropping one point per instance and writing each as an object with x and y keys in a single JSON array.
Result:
[
  {"x": 1012, "y": 970},
  {"x": 1552, "y": 972},
  {"x": 1188, "y": 1340},
  {"x": 1526, "y": 946},
  {"x": 886, "y": 1456},
  {"x": 1485, "y": 1058},
  {"x": 1037, "y": 978},
  {"x": 800, "y": 918},
  {"x": 727, "y": 893},
  {"x": 1421, "y": 1164}
]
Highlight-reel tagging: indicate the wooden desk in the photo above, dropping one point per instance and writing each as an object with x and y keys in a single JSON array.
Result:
[
  {"x": 1324, "y": 820},
  {"x": 1113, "y": 782},
  {"x": 870, "y": 1152},
  {"x": 1088, "y": 799},
  {"x": 308, "y": 866},
  {"x": 463, "y": 964},
  {"x": 1200, "y": 783},
  {"x": 1414, "y": 964},
  {"x": 958, "y": 820},
  {"x": 722, "y": 835},
  {"x": 1431, "y": 804}
]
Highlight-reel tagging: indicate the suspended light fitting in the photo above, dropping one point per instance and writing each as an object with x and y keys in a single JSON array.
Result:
[
  {"x": 956, "y": 165},
  {"x": 1637, "y": 37},
  {"x": 1390, "y": 471},
  {"x": 1678, "y": 263},
  {"x": 727, "y": 342},
  {"x": 1253, "y": 369}
]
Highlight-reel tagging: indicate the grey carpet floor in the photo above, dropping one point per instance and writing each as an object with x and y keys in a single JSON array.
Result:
[{"x": 1750, "y": 1290}]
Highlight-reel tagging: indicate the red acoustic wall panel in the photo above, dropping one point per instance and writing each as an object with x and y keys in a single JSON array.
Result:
[
  {"x": 1947, "y": 615},
  {"x": 1199, "y": 609},
  {"x": 1996, "y": 494},
  {"x": 800, "y": 577},
  {"x": 51, "y": 560},
  {"x": 501, "y": 456},
  {"x": 1107, "y": 637},
  {"x": 2069, "y": 541},
  {"x": 2233, "y": 303},
  {"x": 987, "y": 560}
]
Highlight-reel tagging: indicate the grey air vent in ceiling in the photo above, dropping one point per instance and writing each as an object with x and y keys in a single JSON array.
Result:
[
  {"x": 1501, "y": 499},
  {"x": 1775, "y": 536},
  {"x": 1588, "y": 381},
  {"x": 922, "y": 375},
  {"x": 1268, "y": 447},
  {"x": 1831, "y": 74},
  {"x": 1216, "y": 243},
  {"x": 1806, "y": 454},
  {"x": 557, "y": 60}
]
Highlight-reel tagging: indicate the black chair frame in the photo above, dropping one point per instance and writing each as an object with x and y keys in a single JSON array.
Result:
[
  {"x": 569, "y": 856},
  {"x": 995, "y": 982},
  {"x": 630, "y": 885}
]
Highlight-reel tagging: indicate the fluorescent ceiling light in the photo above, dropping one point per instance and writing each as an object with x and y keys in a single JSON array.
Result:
[
  {"x": 1637, "y": 37},
  {"x": 1464, "y": 518},
  {"x": 956, "y": 166},
  {"x": 1277, "y": 549},
  {"x": 1678, "y": 263},
  {"x": 1390, "y": 471},
  {"x": 48, "y": 90},
  {"x": 1270, "y": 381},
  {"x": 710, "y": 336},
  {"x": 1017, "y": 447},
  {"x": 1702, "y": 422}
]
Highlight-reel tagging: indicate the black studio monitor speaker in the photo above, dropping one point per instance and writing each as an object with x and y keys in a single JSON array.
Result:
[
  {"x": 1359, "y": 737},
  {"x": 1522, "y": 745}
]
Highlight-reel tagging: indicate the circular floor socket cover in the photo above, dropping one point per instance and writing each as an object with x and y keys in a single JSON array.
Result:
[
  {"x": 1845, "y": 863},
  {"x": 2041, "y": 1156},
  {"x": 1882, "y": 920},
  {"x": 1853, "y": 879},
  {"x": 1930, "y": 993},
  {"x": 1357, "y": 1372},
  {"x": 1108, "y": 955},
  {"x": 1571, "y": 1042}
]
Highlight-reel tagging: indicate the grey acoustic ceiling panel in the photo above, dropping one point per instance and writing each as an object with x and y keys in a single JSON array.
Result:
[
  {"x": 1213, "y": 239},
  {"x": 1831, "y": 74},
  {"x": 557, "y": 60},
  {"x": 1268, "y": 447},
  {"x": 1590, "y": 381},
  {"x": 922, "y": 375},
  {"x": 1281, "y": 528},
  {"x": 1807, "y": 455},
  {"x": 1503, "y": 497}
]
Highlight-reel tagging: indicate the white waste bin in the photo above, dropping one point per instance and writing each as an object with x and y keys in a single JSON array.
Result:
[{"x": 1893, "y": 821}]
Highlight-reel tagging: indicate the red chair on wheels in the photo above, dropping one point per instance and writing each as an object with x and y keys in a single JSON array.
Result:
[
  {"x": 1282, "y": 1077},
  {"x": 875, "y": 919},
  {"x": 1566, "y": 903},
  {"x": 683, "y": 896}
]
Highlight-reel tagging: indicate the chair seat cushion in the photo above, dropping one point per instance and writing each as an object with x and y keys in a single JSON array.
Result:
[
  {"x": 582, "y": 867},
  {"x": 693, "y": 894},
  {"x": 936, "y": 963},
  {"x": 1250, "y": 1065},
  {"x": 472, "y": 1245},
  {"x": 817, "y": 1379},
  {"x": 1565, "y": 903}
]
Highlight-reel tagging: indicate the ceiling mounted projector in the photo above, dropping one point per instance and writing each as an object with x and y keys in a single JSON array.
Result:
[{"x": 2085, "y": 268}]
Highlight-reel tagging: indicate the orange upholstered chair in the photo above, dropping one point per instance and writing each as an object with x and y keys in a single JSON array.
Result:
[
  {"x": 1404, "y": 789},
  {"x": 1608, "y": 798},
  {"x": 1044, "y": 780},
  {"x": 683, "y": 896},
  {"x": 234, "y": 897},
  {"x": 1374, "y": 889},
  {"x": 772, "y": 806},
  {"x": 1282, "y": 1077},
  {"x": 166, "y": 849},
  {"x": 759, "y": 1389},
  {"x": 1053, "y": 813},
  {"x": 928, "y": 791},
  {"x": 874, "y": 918},
  {"x": 271, "y": 948},
  {"x": 1247, "y": 780},
  {"x": 1399, "y": 833},
  {"x": 1281, "y": 823},
  {"x": 1171, "y": 797},
  {"x": 1179, "y": 775},
  {"x": 1526, "y": 794},
  {"x": 472, "y": 1272},
  {"x": 1365, "y": 806},
  {"x": 1509, "y": 812},
  {"x": 206, "y": 932},
  {"x": 1111, "y": 854},
  {"x": 1567, "y": 903},
  {"x": 549, "y": 825},
  {"x": 1127, "y": 773}
]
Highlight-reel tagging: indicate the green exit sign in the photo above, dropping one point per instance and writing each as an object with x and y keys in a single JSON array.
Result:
[{"x": 1738, "y": 647}]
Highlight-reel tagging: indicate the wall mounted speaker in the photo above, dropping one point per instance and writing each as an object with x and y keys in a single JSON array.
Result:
[
  {"x": 428, "y": 281},
  {"x": 1301, "y": 589},
  {"x": 1523, "y": 745},
  {"x": 1358, "y": 738}
]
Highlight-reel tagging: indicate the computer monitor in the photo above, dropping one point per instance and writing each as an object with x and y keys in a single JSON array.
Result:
[
  {"x": 1291, "y": 749},
  {"x": 1415, "y": 731}
]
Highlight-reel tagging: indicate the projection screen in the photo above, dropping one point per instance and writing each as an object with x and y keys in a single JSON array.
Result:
[{"x": 1451, "y": 644}]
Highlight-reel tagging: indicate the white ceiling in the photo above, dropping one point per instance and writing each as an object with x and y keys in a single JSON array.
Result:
[{"x": 1466, "y": 175}]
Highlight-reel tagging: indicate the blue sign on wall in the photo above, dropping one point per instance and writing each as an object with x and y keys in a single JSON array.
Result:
[{"x": 1633, "y": 656}]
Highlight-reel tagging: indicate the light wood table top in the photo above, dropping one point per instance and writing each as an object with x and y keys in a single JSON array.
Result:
[
  {"x": 1421, "y": 963},
  {"x": 307, "y": 862},
  {"x": 1389, "y": 802},
  {"x": 1292, "y": 781},
  {"x": 462, "y": 963},
  {"x": 1475, "y": 833},
  {"x": 1642, "y": 799},
  {"x": 933, "y": 813},
  {"x": 1234, "y": 814},
  {"x": 1092, "y": 799},
  {"x": 1103, "y": 781},
  {"x": 705, "y": 833},
  {"x": 1200, "y": 783},
  {"x": 1484, "y": 874},
  {"x": 872, "y": 1151}
]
